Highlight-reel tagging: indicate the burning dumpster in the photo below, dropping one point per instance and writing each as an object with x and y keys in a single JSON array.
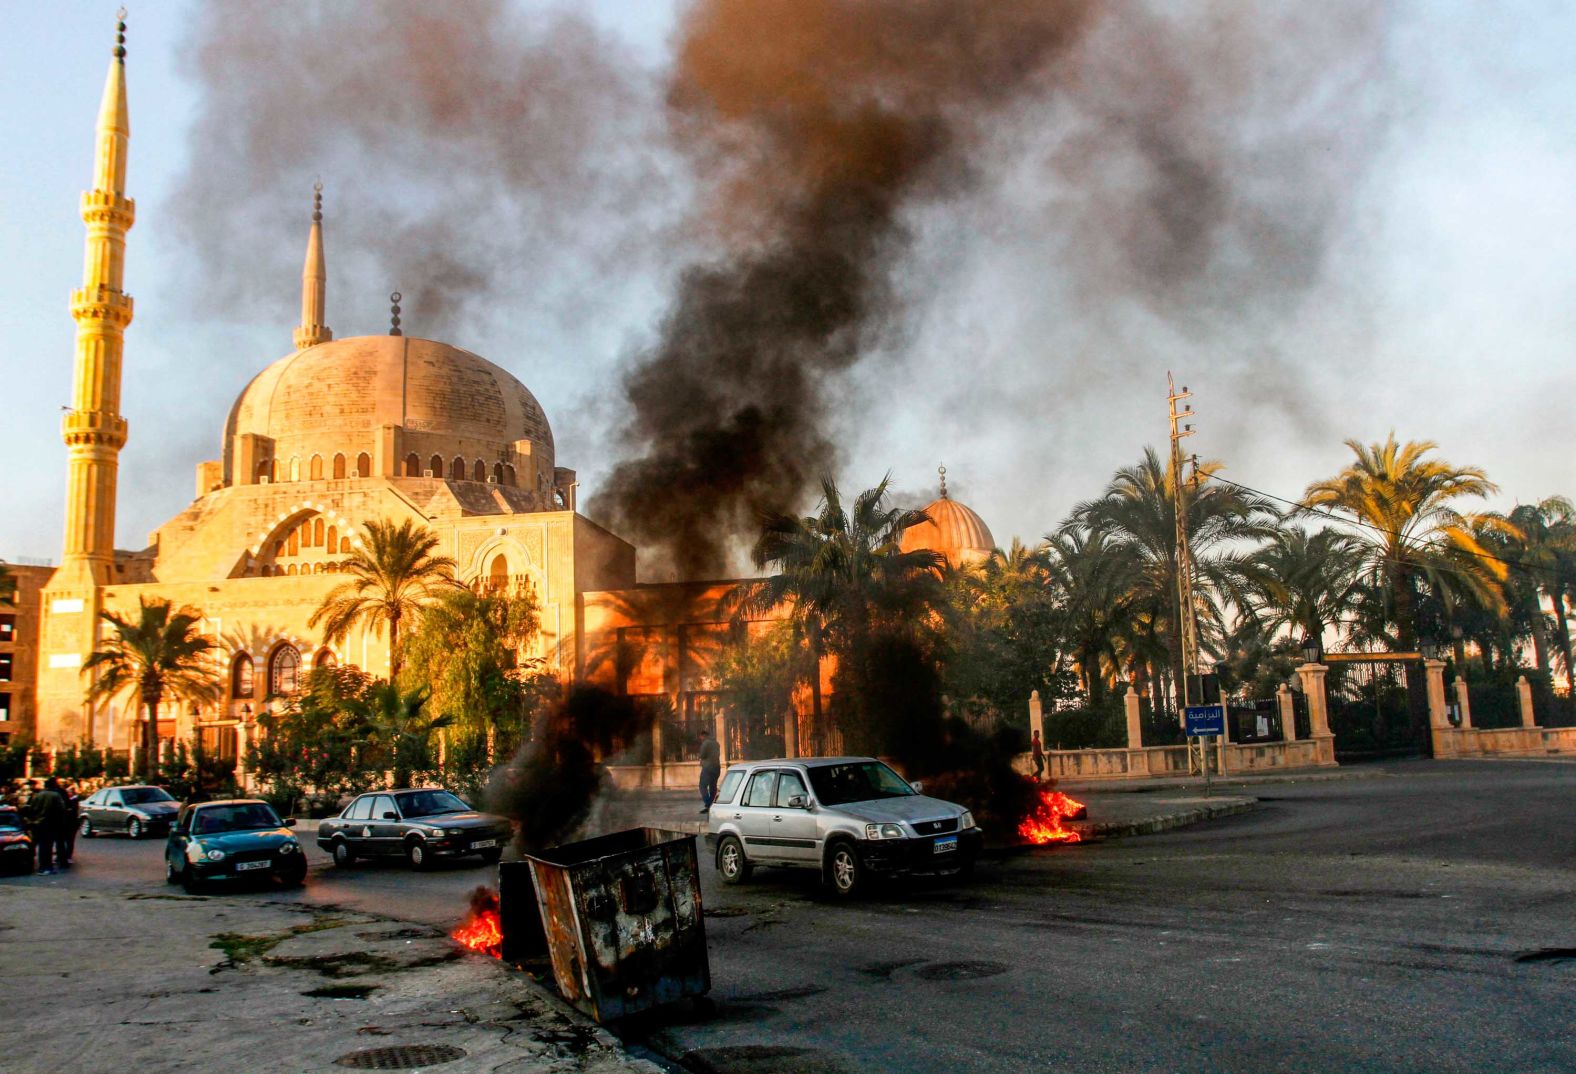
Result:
[{"x": 622, "y": 920}]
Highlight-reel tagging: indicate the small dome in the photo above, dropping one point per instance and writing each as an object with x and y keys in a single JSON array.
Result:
[
  {"x": 953, "y": 530},
  {"x": 336, "y": 396}
]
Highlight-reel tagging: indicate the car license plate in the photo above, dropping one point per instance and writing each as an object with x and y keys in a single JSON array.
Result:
[
  {"x": 483, "y": 844},
  {"x": 243, "y": 866},
  {"x": 947, "y": 845}
]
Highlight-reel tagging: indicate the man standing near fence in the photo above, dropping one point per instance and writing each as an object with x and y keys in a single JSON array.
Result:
[
  {"x": 1037, "y": 755},
  {"x": 710, "y": 769}
]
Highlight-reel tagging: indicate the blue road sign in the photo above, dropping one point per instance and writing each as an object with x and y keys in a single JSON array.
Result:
[{"x": 1205, "y": 719}]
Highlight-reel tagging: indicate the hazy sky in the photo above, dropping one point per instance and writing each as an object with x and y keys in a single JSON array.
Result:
[{"x": 1427, "y": 288}]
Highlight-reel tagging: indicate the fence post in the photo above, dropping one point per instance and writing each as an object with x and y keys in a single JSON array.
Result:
[
  {"x": 1036, "y": 715},
  {"x": 1524, "y": 696},
  {"x": 1313, "y": 689},
  {"x": 1288, "y": 714},
  {"x": 1436, "y": 693},
  {"x": 1135, "y": 723},
  {"x": 1464, "y": 702}
]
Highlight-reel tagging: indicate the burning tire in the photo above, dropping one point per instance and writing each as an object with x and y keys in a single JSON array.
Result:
[
  {"x": 844, "y": 873},
  {"x": 731, "y": 862}
]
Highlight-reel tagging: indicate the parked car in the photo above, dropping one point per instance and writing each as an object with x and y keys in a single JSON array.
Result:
[
  {"x": 849, "y": 817},
  {"x": 16, "y": 846},
  {"x": 420, "y": 825},
  {"x": 232, "y": 840},
  {"x": 131, "y": 811}
]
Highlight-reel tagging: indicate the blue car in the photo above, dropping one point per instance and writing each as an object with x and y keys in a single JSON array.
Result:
[{"x": 234, "y": 840}]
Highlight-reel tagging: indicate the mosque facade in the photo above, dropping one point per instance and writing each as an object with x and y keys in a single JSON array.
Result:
[{"x": 337, "y": 433}]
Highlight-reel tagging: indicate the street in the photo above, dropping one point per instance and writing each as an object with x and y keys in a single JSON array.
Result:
[{"x": 1417, "y": 920}]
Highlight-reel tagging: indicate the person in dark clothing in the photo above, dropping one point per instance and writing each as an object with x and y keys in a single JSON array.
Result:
[
  {"x": 66, "y": 837},
  {"x": 710, "y": 769},
  {"x": 45, "y": 812},
  {"x": 1037, "y": 752}
]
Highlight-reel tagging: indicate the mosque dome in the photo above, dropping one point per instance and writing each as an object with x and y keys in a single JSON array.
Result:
[
  {"x": 954, "y": 530},
  {"x": 409, "y": 405}
]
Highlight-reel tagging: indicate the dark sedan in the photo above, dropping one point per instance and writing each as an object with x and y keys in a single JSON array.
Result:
[
  {"x": 16, "y": 846},
  {"x": 234, "y": 840},
  {"x": 131, "y": 811},
  {"x": 418, "y": 825}
]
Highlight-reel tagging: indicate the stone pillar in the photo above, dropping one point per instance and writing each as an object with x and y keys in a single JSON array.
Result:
[
  {"x": 1524, "y": 697},
  {"x": 1437, "y": 717},
  {"x": 719, "y": 729},
  {"x": 1288, "y": 713},
  {"x": 1135, "y": 721},
  {"x": 1037, "y": 716},
  {"x": 1464, "y": 702},
  {"x": 242, "y": 741},
  {"x": 791, "y": 733},
  {"x": 1313, "y": 687}
]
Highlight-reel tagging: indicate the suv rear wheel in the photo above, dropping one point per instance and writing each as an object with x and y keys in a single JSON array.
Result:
[
  {"x": 731, "y": 862},
  {"x": 844, "y": 872}
]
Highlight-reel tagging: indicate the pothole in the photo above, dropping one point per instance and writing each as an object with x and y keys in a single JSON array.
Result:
[
  {"x": 401, "y": 1057},
  {"x": 1548, "y": 954},
  {"x": 960, "y": 971}
]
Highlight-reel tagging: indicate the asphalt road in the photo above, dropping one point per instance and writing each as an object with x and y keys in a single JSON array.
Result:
[{"x": 1420, "y": 921}]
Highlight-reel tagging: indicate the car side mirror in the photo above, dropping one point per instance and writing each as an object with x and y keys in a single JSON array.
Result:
[
  {"x": 390, "y": 815},
  {"x": 798, "y": 801},
  {"x": 290, "y": 822},
  {"x": 919, "y": 786}
]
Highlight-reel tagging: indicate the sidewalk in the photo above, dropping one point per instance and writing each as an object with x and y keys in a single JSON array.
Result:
[{"x": 104, "y": 982}]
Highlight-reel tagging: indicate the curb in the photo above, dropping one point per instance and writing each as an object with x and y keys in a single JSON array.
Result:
[{"x": 1163, "y": 823}]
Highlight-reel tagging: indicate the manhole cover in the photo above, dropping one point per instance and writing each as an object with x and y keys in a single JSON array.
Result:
[
  {"x": 960, "y": 971},
  {"x": 401, "y": 1057}
]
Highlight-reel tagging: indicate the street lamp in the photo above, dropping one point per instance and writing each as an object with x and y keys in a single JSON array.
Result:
[
  {"x": 1312, "y": 649},
  {"x": 1429, "y": 648}
]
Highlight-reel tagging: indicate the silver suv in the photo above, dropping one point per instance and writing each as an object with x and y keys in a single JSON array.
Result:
[{"x": 849, "y": 817}]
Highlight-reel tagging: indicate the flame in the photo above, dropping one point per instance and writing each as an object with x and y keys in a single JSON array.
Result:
[
  {"x": 481, "y": 931},
  {"x": 1044, "y": 823}
]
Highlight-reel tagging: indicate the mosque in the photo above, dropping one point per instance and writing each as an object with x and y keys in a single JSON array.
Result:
[{"x": 336, "y": 433}]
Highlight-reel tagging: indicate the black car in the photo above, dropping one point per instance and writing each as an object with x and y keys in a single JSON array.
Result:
[
  {"x": 16, "y": 846},
  {"x": 132, "y": 811},
  {"x": 420, "y": 825}
]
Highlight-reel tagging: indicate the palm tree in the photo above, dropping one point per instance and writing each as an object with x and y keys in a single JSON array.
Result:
[
  {"x": 392, "y": 576},
  {"x": 396, "y": 719},
  {"x": 1138, "y": 511},
  {"x": 1414, "y": 534},
  {"x": 159, "y": 654},
  {"x": 1301, "y": 582},
  {"x": 844, "y": 574},
  {"x": 1097, "y": 582},
  {"x": 1544, "y": 553}
]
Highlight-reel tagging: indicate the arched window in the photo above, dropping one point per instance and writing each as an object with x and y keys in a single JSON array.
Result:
[
  {"x": 295, "y": 468},
  {"x": 498, "y": 472},
  {"x": 279, "y": 549},
  {"x": 435, "y": 464},
  {"x": 457, "y": 469},
  {"x": 315, "y": 468},
  {"x": 363, "y": 465},
  {"x": 293, "y": 545},
  {"x": 332, "y": 542},
  {"x": 498, "y": 575},
  {"x": 325, "y": 658},
  {"x": 284, "y": 670},
  {"x": 413, "y": 465},
  {"x": 317, "y": 532},
  {"x": 339, "y": 466},
  {"x": 508, "y": 476},
  {"x": 241, "y": 676},
  {"x": 479, "y": 471},
  {"x": 291, "y": 570}
]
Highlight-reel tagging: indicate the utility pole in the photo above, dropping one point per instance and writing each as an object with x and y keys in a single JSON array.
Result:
[{"x": 1187, "y": 621}]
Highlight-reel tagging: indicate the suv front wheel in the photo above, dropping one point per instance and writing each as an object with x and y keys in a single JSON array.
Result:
[
  {"x": 844, "y": 872},
  {"x": 731, "y": 862}
]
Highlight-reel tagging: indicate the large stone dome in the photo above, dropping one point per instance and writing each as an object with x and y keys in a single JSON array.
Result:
[
  {"x": 954, "y": 530},
  {"x": 406, "y": 403}
]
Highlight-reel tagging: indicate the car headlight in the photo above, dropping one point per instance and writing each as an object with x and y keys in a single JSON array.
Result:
[
  {"x": 967, "y": 820},
  {"x": 194, "y": 852},
  {"x": 216, "y": 854},
  {"x": 456, "y": 831},
  {"x": 883, "y": 831},
  {"x": 289, "y": 848}
]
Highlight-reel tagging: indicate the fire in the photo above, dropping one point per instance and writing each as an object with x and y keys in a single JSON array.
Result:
[
  {"x": 481, "y": 931},
  {"x": 1044, "y": 824}
]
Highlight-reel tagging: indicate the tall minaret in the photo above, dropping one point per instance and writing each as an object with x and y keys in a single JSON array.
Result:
[
  {"x": 93, "y": 429},
  {"x": 314, "y": 282}
]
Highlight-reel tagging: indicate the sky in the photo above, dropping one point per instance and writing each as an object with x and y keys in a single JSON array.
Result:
[{"x": 1430, "y": 194}]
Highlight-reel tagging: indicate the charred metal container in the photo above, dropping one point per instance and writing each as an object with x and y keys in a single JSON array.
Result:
[{"x": 623, "y": 923}]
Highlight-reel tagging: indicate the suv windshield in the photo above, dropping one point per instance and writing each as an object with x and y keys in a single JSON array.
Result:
[
  {"x": 430, "y": 804},
  {"x": 861, "y": 781},
  {"x": 245, "y": 817},
  {"x": 144, "y": 795}
]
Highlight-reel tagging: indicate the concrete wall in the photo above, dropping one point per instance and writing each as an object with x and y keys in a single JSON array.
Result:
[
  {"x": 1503, "y": 741},
  {"x": 1172, "y": 761}
]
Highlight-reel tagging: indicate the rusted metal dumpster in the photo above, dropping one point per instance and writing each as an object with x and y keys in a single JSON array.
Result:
[{"x": 623, "y": 922}]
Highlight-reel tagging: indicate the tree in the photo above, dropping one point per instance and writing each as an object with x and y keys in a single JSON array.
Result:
[
  {"x": 1138, "y": 512},
  {"x": 399, "y": 723},
  {"x": 756, "y": 674},
  {"x": 1414, "y": 535},
  {"x": 392, "y": 577},
  {"x": 1096, "y": 579},
  {"x": 1545, "y": 554},
  {"x": 159, "y": 654},
  {"x": 845, "y": 577},
  {"x": 1301, "y": 582},
  {"x": 321, "y": 738}
]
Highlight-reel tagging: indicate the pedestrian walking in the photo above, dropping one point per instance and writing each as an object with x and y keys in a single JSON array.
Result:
[
  {"x": 66, "y": 840},
  {"x": 1037, "y": 753},
  {"x": 45, "y": 812},
  {"x": 710, "y": 769}
]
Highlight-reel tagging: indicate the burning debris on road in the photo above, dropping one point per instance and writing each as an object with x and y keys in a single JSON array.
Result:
[
  {"x": 1044, "y": 823},
  {"x": 481, "y": 930}
]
